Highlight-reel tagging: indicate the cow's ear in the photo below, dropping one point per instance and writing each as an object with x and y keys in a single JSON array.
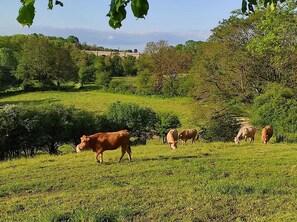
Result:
[{"x": 87, "y": 138}]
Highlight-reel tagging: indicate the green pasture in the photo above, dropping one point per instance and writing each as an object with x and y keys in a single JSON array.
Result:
[
  {"x": 201, "y": 182},
  {"x": 98, "y": 101}
]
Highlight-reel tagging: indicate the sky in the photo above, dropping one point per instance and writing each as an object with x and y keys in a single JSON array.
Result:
[{"x": 175, "y": 21}]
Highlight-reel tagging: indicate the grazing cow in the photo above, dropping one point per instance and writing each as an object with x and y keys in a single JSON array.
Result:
[
  {"x": 267, "y": 133},
  {"x": 188, "y": 134},
  {"x": 172, "y": 137},
  {"x": 100, "y": 142},
  {"x": 245, "y": 132}
]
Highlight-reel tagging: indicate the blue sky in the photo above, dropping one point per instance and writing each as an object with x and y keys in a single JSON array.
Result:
[{"x": 173, "y": 20}]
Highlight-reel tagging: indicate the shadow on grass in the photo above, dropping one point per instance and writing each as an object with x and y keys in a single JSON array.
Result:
[
  {"x": 171, "y": 158},
  {"x": 29, "y": 102}
]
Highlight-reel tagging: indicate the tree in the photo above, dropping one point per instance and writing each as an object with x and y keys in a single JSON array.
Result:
[
  {"x": 129, "y": 66},
  {"x": 45, "y": 61},
  {"x": 277, "y": 107},
  {"x": 165, "y": 64},
  {"x": 117, "y": 12},
  {"x": 8, "y": 65}
]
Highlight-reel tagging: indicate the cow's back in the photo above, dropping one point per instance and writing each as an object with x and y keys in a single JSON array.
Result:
[{"x": 113, "y": 140}]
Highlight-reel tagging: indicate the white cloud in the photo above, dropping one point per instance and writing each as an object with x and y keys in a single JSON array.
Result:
[{"x": 117, "y": 38}]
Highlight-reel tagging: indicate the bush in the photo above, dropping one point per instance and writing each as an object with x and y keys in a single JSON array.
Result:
[
  {"x": 166, "y": 122},
  {"x": 140, "y": 121},
  {"x": 103, "y": 79},
  {"x": 222, "y": 126},
  {"x": 277, "y": 107},
  {"x": 121, "y": 86},
  {"x": 24, "y": 130}
]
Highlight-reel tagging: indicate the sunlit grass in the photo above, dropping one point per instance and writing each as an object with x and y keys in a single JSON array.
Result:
[
  {"x": 98, "y": 102},
  {"x": 202, "y": 182}
]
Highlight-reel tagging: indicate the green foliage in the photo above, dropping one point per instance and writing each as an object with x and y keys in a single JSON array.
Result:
[
  {"x": 249, "y": 5},
  {"x": 277, "y": 107},
  {"x": 26, "y": 12},
  {"x": 86, "y": 75},
  {"x": 222, "y": 126},
  {"x": 24, "y": 131},
  {"x": 167, "y": 121},
  {"x": 140, "y": 121},
  {"x": 103, "y": 79},
  {"x": 121, "y": 86},
  {"x": 8, "y": 63},
  {"x": 45, "y": 61}
]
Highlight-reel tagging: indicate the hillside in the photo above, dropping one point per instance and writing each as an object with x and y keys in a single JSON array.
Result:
[
  {"x": 98, "y": 101},
  {"x": 202, "y": 182}
]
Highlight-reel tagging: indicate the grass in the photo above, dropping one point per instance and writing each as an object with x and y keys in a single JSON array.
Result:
[
  {"x": 98, "y": 101},
  {"x": 202, "y": 182}
]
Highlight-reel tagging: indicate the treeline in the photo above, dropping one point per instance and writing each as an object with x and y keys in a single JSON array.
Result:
[{"x": 37, "y": 62}]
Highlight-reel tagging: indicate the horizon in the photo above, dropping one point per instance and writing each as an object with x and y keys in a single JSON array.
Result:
[{"x": 194, "y": 22}]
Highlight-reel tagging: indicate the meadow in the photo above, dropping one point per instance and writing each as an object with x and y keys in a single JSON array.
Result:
[{"x": 200, "y": 182}]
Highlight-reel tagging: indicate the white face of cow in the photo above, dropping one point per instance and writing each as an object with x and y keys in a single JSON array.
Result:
[
  {"x": 236, "y": 140},
  {"x": 84, "y": 143}
]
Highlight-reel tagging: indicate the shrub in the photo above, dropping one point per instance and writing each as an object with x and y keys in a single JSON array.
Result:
[
  {"x": 140, "y": 121},
  {"x": 121, "y": 86},
  {"x": 103, "y": 79},
  {"x": 222, "y": 126},
  {"x": 26, "y": 130},
  {"x": 166, "y": 122},
  {"x": 277, "y": 107}
]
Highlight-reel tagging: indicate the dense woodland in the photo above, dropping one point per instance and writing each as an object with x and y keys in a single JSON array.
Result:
[{"x": 248, "y": 61}]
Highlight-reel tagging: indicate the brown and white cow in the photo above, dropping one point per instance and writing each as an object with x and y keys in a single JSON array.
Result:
[
  {"x": 267, "y": 133},
  {"x": 245, "y": 132},
  {"x": 172, "y": 137},
  {"x": 102, "y": 141},
  {"x": 187, "y": 135}
]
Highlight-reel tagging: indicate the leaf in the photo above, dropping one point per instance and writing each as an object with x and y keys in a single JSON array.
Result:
[
  {"x": 117, "y": 13},
  {"x": 26, "y": 14},
  {"x": 27, "y": 2},
  {"x": 251, "y": 8},
  {"x": 266, "y": 2},
  {"x": 140, "y": 8},
  {"x": 59, "y": 3},
  {"x": 50, "y": 4},
  {"x": 254, "y": 2},
  {"x": 244, "y": 6}
]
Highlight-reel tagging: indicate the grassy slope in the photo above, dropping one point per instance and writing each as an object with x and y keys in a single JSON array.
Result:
[
  {"x": 98, "y": 102},
  {"x": 202, "y": 182}
]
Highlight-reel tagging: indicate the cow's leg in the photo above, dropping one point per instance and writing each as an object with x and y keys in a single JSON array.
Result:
[
  {"x": 123, "y": 153},
  {"x": 129, "y": 153},
  {"x": 100, "y": 154},
  {"x": 252, "y": 139}
]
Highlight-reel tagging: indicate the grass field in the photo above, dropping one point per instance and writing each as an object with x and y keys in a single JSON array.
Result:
[
  {"x": 201, "y": 182},
  {"x": 97, "y": 101}
]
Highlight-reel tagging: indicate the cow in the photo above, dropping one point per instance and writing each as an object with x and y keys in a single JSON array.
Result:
[
  {"x": 102, "y": 141},
  {"x": 245, "y": 132},
  {"x": 172, "y": 137},
  {"x": 267, "y": 133},
  {"x": 188, "y": 134}
]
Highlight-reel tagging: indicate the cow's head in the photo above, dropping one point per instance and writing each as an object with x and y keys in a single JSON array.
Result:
[
  {"x": 265, "y": 139},
  {"x": 174, "y": 145},
  {"x": 84, "y": 143},
  {"x": 236, "y": 140}
]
